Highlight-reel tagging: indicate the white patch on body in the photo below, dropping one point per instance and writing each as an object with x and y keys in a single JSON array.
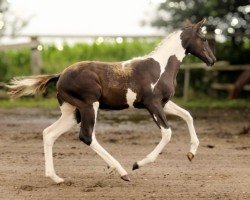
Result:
[
  {"x": 152, "y": 86},
  {"x": 110, "y": 160},
  {"x": 130, "y": 97},
  {"x": 170, "y": 46},
  {"x": 166, "y": 135},
  {"x": 51, "y": 133}
]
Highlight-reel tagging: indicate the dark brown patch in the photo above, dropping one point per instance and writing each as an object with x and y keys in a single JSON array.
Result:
[
  {"x": 77, "y": 116},
  {"x": 166, "y": 85},
  {"x": 107, "y": 83}
]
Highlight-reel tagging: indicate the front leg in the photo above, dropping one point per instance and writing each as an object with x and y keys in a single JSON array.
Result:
[
  {"x": 156, "y": 110},
  {"x": 173, "y": 109}
]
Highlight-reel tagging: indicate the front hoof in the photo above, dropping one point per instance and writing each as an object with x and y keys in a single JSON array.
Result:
[
  {"x": 190, "y": 156},
  {"x": 56, "y": 179},
  {"x": 135, "y": 166},
  {"x": 125, "y": 178}
]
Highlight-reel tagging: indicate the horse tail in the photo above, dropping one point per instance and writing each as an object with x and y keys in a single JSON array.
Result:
[{"x": 30, "y": 85}]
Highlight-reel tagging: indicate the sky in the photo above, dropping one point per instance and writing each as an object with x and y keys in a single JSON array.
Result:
[{"x": 85, "y": 16}]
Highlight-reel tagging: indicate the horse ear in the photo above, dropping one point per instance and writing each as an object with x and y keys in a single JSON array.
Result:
[
  {"x": 188, "y": 23},
  {"x": 199, "y": 24}
]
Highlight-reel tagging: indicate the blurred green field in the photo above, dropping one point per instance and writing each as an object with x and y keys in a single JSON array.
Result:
[
  {"x": 17, "y": 62},
  {"x": 192, "y": 103},
  {"x": 54, "y": 60}
]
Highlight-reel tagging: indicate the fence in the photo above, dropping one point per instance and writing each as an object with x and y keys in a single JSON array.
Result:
[
  {"x": 219, "y": 66},
  {"x": 36, "y": 60},
  {"x": 35, "y": 55}
]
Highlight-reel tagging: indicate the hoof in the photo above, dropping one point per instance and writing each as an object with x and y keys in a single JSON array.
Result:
[
  {"x": 55, "y": 178},
  {"x": 190, "y": 156},
  {"x": 135, "y": 166},
  {"x": 125, "y": 178}
]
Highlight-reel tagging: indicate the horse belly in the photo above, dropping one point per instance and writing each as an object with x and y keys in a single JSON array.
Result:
[{"x": 113, "y": 99}]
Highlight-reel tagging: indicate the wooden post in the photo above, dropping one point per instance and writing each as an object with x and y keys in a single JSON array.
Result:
[
  {"x": 186, "y": 83},
  {"x": 35, "y": 57}
]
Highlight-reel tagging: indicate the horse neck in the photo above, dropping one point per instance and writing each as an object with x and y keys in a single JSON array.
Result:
[{"x": 170, "y": 46}]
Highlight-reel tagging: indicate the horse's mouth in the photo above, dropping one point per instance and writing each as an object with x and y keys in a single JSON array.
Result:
[{"x": 209, "y": 60}]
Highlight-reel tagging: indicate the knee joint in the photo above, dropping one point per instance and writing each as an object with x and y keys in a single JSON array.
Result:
[
  {"x": 166, "y": 134},
  {"x": 45, "y": 132},
  {"x": 47, "y": 139},
  {"x": 188, "y": 117}
]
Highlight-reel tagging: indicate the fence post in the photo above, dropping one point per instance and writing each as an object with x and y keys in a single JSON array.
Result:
[
  {"x": 186, "y": 83},
  {"x": 35, "y": 57}
]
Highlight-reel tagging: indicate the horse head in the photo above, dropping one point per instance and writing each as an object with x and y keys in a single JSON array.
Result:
[{"x": 195, "y": 42}]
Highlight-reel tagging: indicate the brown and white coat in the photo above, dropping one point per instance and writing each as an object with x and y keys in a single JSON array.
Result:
[{"x": 145, "y": 83}]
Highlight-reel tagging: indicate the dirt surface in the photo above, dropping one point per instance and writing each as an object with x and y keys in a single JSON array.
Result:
[{"x": 220, "y": 170}]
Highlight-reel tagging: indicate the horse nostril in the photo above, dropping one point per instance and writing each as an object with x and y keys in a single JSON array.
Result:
[{"x": 214, "y": 58}]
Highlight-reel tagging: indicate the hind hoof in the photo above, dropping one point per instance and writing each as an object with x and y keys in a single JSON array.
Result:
[
  {"x": 190, "y": 156},
  {"x": 135, "y": 166},
  {"x": 125, "y": 178}
]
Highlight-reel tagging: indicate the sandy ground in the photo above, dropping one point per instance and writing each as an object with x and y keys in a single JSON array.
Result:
[{"x": 220, "y": 170}]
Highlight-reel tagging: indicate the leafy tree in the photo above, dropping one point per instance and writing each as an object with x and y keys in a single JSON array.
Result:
[
  {"x": 225, "y": 16},
  {"x": 9, "y": 22},
  {"x": 3, "y": 9},
  {"x": 231, "y": 18}
]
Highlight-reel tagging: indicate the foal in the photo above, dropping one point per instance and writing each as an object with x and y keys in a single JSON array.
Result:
[{"x": 145, "y": 83}]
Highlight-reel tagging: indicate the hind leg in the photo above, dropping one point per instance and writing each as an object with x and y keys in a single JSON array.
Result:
[
  {"x": 50, "y": 134},
  {"x": 87, "y": 135}
]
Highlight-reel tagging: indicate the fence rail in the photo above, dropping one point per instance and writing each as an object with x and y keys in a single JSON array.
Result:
[
  {"x": 219, "y": 66},
  {"x": 35, "y": 54}
]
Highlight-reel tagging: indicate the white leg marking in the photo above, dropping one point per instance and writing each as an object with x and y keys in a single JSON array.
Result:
[
  {"x": 112, "y": 162},
  {"x": 172, "y": 108},
  {"x": 166, "y": 135},
  {"x": 155, "y": 117},
  {"x": 131, "y": 97},
  {"x": 50, "y": 134}
]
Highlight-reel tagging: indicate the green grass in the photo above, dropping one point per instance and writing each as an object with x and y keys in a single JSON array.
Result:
[
  {"x": 29, "y": 102},
  {"x": 193, "y": 103},
  {"x": 213, "y": 103}
]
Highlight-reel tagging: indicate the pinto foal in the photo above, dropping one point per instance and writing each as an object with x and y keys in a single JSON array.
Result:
[{"x": 146, "y": 82}]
